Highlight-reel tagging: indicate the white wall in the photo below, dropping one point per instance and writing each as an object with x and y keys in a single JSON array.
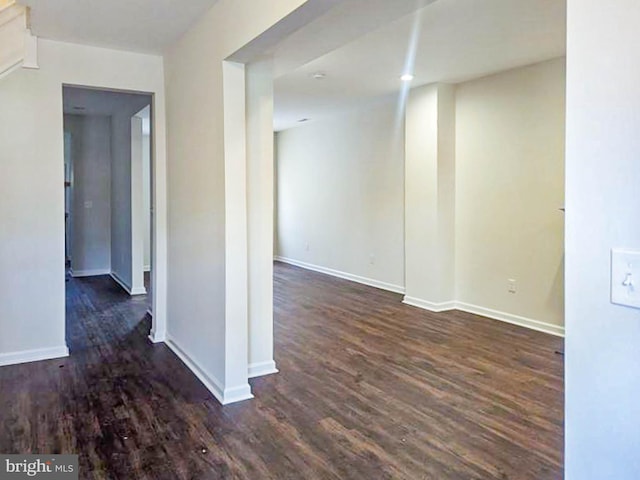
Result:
[
  {"x": 32, "y": 219},
  {"x": 90, "y": 153},
  {"x": 340, "y": 194},
  {"x": 146, "y": 198},
  {"x": 603, "y": 211},
  {"x": 509, "y": 188},
  {"x": 127, "y": 193},
  {"x": 211, "y": 335}
]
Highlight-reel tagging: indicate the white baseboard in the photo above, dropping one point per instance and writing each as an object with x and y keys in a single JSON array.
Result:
[
  {"x": 26, "y": 356},
  {"x": 511, "y": 318},
  {"x": 432, "y": 307},
  {"x": 120, "y": 282},
  {"x": 89, "y": 273},
  {"x": 157, "y": 337},
  {"x": 486, "y": 312},
  {"x": 344, "y": 275},
  {"x": 262, "y": 368},
  {"x": 224, "y": 395},
  {"x": 127, "y": 288},
  {"x": 237, "y": 394},
  {"x": 138, "y": 291}
]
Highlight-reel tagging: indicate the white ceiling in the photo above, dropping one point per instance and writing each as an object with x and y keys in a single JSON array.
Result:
[
  {"x": 451, "y": 41},
  {"x": 87, "y": 101},
  {"x": 147, "y": 26}
]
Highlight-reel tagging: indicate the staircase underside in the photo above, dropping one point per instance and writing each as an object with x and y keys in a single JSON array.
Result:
[{"x": 18, "y": 48}]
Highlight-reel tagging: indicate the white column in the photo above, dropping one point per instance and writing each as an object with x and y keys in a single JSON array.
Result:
[
  {"x": 430, "y": 197},
  {"x": 236, "y": 385},
  {"x": 260, "y": 184},
  {"x": 137, "y": 209}
]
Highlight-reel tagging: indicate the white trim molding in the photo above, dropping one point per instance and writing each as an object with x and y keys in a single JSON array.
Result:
[
  {"x": 237, "y": 394},
  {"x": 262, "y": 368},
  {"x": 488, "y": 313},
  {"x": 126, "y": 288},
  {"x": 37, "y": 355},
  {"x": 157, "y": 336},
  {"x": 432, "y": 307},
  {"x": 344, "y": 275},
  {"x": 224, "y": 395},
  {"x": 89, "y": 273},
  {"x": 530, "y": 323}
]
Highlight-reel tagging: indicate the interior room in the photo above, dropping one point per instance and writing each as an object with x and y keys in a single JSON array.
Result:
[
  {"x": 439, "y": 181},
  {"x": 405, "y": 165},
  {"x": 386, "y": 239},
  {"x": 107, "y": 143}
]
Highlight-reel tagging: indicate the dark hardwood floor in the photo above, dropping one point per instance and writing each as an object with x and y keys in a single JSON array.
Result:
[{"x": 368, "y": 389}]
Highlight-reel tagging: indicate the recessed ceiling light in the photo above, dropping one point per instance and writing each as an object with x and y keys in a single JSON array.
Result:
[
  {"x": 319, "y": 76},
  {"x": 407, "y": 77}
]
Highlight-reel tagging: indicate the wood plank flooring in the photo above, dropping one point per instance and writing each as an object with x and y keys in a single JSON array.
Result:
[{"x": 368, "y": 389}]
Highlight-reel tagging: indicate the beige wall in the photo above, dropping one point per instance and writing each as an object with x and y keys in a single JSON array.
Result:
[
  {"x": 340, "y": 194},
  {"x": 483, "y": 185},
  {"x": 509, "y": 188}
]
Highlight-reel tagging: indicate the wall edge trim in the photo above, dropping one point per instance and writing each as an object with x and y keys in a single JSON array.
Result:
[
  {"x": 123, "y": 284},
  {"x": 89, "y": 273},
  {"x": 344, "y": 275},
  {"x": 430, "y": 306},
  {"x": 224, "y": 395},
  {"x": 260, "y": 369},
  {"x": 511, "y": 318},
  {"x": 35, "y": 355}
]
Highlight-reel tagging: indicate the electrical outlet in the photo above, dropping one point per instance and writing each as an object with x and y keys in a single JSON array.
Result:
[
  {"x": 512, "y": 286},
  {"x": 306, "y": 247},
  {"x": 372, "y": 259}
]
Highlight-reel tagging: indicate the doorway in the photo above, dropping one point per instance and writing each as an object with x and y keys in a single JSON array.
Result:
[{"x": 108, "y": 203}]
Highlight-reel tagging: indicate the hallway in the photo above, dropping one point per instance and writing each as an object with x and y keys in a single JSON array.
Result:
[
  {"x": 368, "y": 388},
  {"x": 99, "y": 312}
]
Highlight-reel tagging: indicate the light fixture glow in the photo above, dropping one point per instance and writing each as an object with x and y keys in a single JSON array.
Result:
[{"x": 407, "y": 77}]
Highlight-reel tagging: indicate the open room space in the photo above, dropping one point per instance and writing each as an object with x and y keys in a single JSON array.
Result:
[
  {"x": 368, "y": 387},
  {"x": 319, "y": 239}
]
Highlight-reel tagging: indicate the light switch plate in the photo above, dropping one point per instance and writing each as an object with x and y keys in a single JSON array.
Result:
[{"x": 625, "y": 277}]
